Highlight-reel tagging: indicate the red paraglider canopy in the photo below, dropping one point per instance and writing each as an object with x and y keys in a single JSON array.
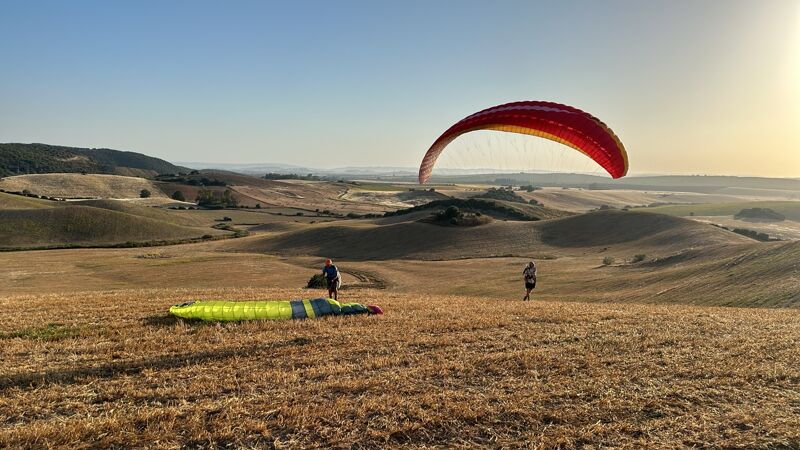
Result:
[{"x": 561, "y": 123}]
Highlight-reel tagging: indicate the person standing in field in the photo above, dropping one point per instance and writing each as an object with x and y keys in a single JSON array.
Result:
[
  {"x": 331, "y": 273},
  {"x": 529, "y": 274}
]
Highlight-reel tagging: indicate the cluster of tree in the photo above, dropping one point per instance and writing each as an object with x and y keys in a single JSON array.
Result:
[
  {"x": 452, "y": 215},
  {"x": 760, "y": 214},
  {"x": 216, "y": 199},
  {"x": 353, "y": 215},
  {"x": 28, "y": 193},
  {"x": 191, "y": 180},
  {"x": 529, "y": 188},
  {"x": 290, "y": 176},
  {"x": 505, "y": 194},
  {"x": 752, "y": 234},
  {"x": 20, "y": 159},
  {"x": 485, "y": 206}
]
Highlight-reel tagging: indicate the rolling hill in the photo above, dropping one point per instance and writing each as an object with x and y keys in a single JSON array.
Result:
[
  {"x": 75, "y": 185},
  {"x": 132, "y": 208},
  {"x": 17, "y": 159},
  {"x": 11, "y": 201},
  {"x": 634, "y": 229},
  {"x": 68, "y": 226},
  {"x": 389, "y": 238}
]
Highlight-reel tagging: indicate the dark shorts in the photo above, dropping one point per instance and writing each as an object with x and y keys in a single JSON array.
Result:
[
  {"x": 530, "y": 285},
  {"x": 333, "y": 285}
]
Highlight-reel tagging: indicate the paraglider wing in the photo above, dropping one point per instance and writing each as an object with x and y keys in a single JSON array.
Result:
[{"x": 561, "y": 123}]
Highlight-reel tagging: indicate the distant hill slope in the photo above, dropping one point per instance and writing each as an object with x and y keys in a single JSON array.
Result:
[
  {"x": 11, "y": 201},
  {"x": 584, "y": 200},
  {"x": 142, "y": 211},
  {"x": 499, "y": 209},
  {"x": 84, "y": 226},
  {"x": 75, "y": 185},
  {"x": 17, "y": 159},
  {"x": 641, "y": 229},
  {"x": 635, "y": 232},
  {"x": 789, "y": 209}
]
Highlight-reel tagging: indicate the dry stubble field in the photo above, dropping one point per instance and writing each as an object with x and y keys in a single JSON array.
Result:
[{"x": 112, "y": 369}]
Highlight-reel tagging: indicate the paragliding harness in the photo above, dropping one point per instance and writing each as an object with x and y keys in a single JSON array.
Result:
[
  {"x": 333, "y": 282},
  {"x": 530, "y": 277}
]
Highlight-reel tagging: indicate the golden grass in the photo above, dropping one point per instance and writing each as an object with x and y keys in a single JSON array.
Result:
[
  {"x": 75, "y": 185},
  {"x": 83, "y": 225},
  {"x": 392, "y": 239},
  {"x": 433, "y": 371},
  {"x": 753, "y": 274},
  {"x": 583, "y": 200},
  {"x": 12, "y": 201}
]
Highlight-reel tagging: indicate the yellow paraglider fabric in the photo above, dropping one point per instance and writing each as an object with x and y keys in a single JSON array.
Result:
[{"x": 271, "y": 310}]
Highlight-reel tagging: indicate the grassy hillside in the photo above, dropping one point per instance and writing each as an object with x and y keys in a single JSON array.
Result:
[
  {"x": 498, "y": 209},
  {"x": 788, "y": 208},
  {"x": 73, "y": 185},
  {"x": 12, "y": 201},
  {"x": 145, "y": 211},
  {"x": 648, "y": 230},
  {"x": 83, "y": 225},
  {"x": 112, "y": 369},
  {"x": 17, "y": 159},
  {"x": 380, "y": 240}
]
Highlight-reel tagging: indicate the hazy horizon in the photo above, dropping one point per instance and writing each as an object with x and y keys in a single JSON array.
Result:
[{"x": 690, "y": 88}]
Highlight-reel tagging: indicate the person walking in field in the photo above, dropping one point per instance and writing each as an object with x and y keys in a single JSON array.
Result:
[
  {"x": 331, "y": 273},
  {"x": 529, "y": 274}
]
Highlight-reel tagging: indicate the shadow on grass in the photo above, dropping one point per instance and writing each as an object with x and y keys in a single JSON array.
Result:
[
  {"x": 33, "y": 380},
  {"x": 160, "y": 321}
]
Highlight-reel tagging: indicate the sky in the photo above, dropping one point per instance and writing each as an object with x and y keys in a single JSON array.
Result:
[{"x": 690, "y": 87}]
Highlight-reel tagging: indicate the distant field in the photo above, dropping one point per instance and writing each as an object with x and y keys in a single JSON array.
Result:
[
  {"x": 396, "y": 187},
  {"x": 75, "y": 185},
  {"x": 790, "y": 209},
  {"x": 785, "y": 229},
  {"x": 309, "y": 197},
  {"x": 582, "y": 200},
  {"x": 113, "y": 369}
]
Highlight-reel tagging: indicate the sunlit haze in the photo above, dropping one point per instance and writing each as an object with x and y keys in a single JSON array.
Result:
[{"x": 690, "y": 87}]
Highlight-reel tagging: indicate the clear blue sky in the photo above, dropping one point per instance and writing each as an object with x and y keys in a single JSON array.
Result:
[{"x": 689, "y": 86}]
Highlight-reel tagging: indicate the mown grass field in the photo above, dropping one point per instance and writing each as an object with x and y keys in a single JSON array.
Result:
[{"x": 112, "y": 369}]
